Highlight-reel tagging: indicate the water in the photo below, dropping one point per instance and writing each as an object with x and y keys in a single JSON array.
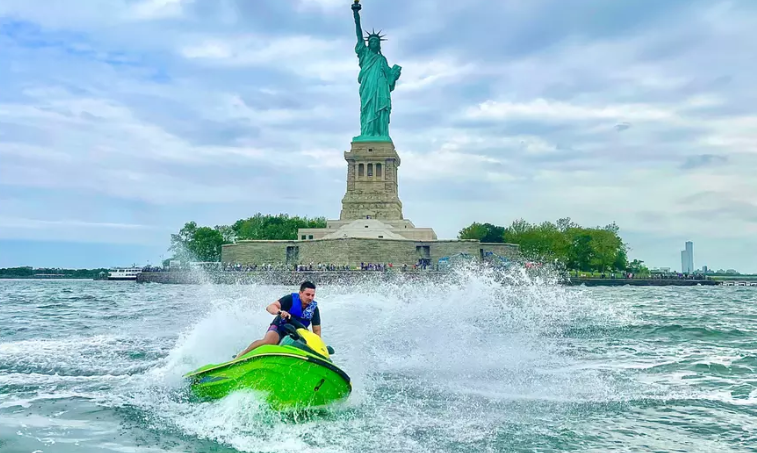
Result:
[{"x": 96, "y": 366}]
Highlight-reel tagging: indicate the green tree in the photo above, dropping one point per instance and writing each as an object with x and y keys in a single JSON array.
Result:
[
  {"x": 621, "y": 260},
  {"x": 484, "y": 232},
  {"x": 30, "y": 272},
  {"x": 180, "y": 242},
  {"x": 207, "y": 243},
  {"x": 543, "y": 242},
  {"x": 195, "y": 243},
  {"x": 227, "y": 232},
  {"x": 26, "y": 271},
  {"x": 580, "y": 253},
  {"x": 269, "y": 227},
  {"x": 473, "y": 231},
  {"x": 605, "y": 245},
  {"x": 637, "y": 267},
  {"x": 576, "y": 247}
]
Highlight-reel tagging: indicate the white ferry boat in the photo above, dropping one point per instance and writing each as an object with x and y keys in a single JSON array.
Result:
[{"x": 124, "y": 273}]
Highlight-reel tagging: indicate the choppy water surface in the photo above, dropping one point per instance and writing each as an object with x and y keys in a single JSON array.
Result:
[{"x": 96, "y": 366}]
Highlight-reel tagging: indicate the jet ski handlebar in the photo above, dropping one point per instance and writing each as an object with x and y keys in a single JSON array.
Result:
[
  {"x": 297, "y": 325},
  {"x": 278, "y": 320}
]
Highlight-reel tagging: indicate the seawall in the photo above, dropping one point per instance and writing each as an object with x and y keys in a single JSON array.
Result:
[
  {"x": 640, "y": 282},
  {"x": 289, "y": 278}
]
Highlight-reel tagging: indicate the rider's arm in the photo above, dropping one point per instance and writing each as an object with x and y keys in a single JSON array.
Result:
[
  {"x": 317, "y": 330},
  {"x": 274, "y": 308},
  {"x": 283, "y": 304}
]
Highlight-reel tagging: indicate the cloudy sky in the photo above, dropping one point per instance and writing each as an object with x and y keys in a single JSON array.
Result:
[{"x": 122, "y": 119}]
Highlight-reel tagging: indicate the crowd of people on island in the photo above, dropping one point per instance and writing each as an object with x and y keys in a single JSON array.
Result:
[
  {"x": 326, "y": 267},
  {"x": 422, "y": 265},
  {"x": 154, "y": 269}
]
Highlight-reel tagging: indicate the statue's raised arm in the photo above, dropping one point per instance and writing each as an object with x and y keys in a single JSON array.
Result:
[{"x": 358, "y": 29}]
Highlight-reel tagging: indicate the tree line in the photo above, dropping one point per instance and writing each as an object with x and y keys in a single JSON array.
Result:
[
  {"x": 564, "y": 242},
  {"x": 573, "y": 246},
  {"x": 196, "y": 243},
  {"x": 31, "y": 272}
]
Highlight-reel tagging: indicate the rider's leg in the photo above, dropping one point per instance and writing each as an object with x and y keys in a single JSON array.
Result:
[{"x": 271, "y": 337}]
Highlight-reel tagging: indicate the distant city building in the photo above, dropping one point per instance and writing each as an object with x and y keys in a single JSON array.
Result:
[
  {"x": 705, "y": 269},
  {"x": 690, "y": 255},
  {"x": 687, "y": 258}
]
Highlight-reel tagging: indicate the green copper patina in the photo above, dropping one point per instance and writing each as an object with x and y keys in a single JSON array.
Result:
[{"x": 377, "y": 81}]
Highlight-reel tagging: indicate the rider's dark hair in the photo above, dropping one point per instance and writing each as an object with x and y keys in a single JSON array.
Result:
[{"x": 305, "y": 285}]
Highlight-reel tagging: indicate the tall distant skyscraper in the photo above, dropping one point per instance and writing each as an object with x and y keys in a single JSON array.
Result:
[
  {"x": 690, "y": 255},
  {"x": 687, "y": 258}
]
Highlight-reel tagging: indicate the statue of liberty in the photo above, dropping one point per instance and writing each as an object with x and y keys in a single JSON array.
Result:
[{"x": 377, "y": 81}]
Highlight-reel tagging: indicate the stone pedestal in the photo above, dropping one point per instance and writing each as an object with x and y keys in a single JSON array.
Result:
[{"x": 371, "y": 182}]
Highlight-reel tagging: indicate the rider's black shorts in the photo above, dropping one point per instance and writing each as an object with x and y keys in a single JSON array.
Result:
[{"x": 278, "y": 329}]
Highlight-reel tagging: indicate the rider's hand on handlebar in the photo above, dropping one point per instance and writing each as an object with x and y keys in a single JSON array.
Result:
[{"x": 284, "y": 315}]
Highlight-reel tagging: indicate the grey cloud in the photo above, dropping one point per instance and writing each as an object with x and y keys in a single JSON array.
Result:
[
  {"x": 19, "y": 133},
  {"x": 519, "y": 126},
  {"x": 271, "y": 17},
  {"x": 215, "y": 133},
  {"x": 708, "y": 196},
  {"x": 703, "y": 160},
  {"x": 651, "y": 216},
  {"x": 487, "y": 29},
  {"x": 731, "y": 210},
  {"x": 710, "y": 205},
  {"x": 450, "y": 192}
]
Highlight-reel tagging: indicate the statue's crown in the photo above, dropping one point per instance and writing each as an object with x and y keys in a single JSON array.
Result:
[{"x": 373, "y": 34}]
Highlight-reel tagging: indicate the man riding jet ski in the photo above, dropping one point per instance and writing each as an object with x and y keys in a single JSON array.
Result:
[
  {"x": 302, "y": 306},
  {"x": 290, "y": 365}
]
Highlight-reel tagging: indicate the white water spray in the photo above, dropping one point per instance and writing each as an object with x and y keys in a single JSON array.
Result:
[{"x": 481, "y": 337}]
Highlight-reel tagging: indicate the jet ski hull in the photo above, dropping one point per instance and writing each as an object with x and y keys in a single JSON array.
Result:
[{"x": 287, "y": 376}]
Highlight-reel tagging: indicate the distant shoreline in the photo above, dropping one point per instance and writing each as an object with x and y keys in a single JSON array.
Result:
[
  {"x": 352, "y": 276},
  {"x": 62, "y": 277},
  {"x": 598, "y": 281}
]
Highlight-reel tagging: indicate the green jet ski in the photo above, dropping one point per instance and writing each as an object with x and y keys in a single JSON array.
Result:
[{"x": 296, "y": 373}]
